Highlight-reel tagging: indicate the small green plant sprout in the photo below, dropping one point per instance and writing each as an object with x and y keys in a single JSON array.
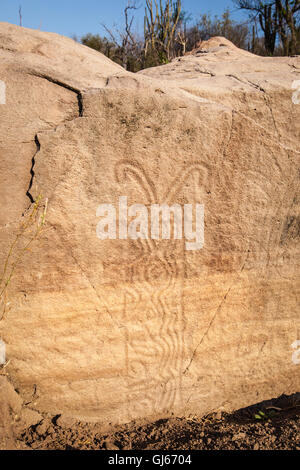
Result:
[
  {"x": 265, "y": 416},
  {"x": 261, "y": 416},
  {"x": 28, "y": 232}
]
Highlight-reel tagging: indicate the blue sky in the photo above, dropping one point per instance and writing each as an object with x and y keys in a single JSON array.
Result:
[{"x": 69, "y": 17}]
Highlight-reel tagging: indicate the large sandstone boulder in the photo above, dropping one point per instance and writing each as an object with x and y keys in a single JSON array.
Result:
[{"x": 121, "y": 329}]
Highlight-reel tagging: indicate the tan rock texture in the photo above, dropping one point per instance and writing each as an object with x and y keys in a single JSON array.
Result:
[{"x": 117, "y": 330}]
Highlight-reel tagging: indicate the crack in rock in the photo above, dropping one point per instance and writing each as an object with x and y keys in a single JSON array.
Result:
[
  {"x": 36, "y": 140},
  {"x": 32, "y": 173},
  {"x": 63, "y": 85}
]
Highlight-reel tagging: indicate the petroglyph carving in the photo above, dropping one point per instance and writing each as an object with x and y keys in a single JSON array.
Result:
[{"x": 155, "y": 341}]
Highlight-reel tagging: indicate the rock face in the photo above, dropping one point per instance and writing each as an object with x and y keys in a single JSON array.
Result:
[{"x": 116, "y": 330}]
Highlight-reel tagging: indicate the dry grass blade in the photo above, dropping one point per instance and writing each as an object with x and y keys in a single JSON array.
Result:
[{"x": 29, "y": 231}]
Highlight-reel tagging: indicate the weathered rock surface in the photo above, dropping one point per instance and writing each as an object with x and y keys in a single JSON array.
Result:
[
  {"x": 115, "y": 330},
  {"x": 15, "y": 417}
]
